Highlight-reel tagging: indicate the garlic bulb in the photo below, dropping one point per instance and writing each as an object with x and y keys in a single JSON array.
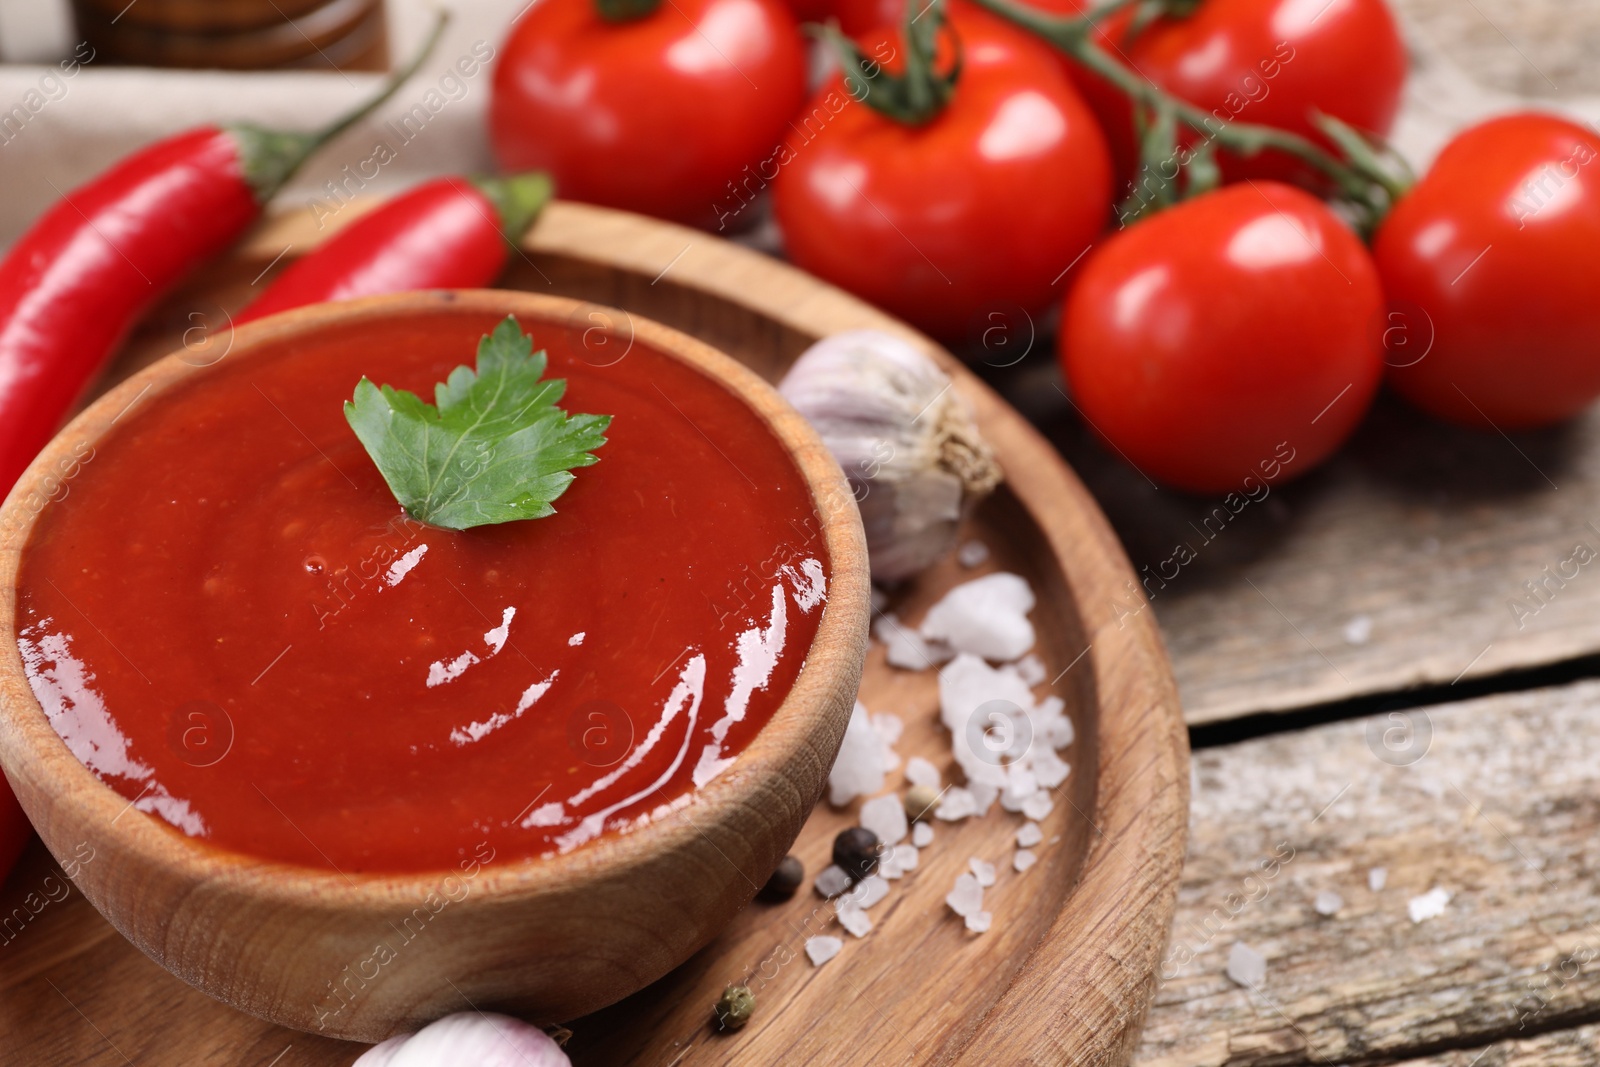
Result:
[
  {"x": 469, "y": 1039},
  {"x": 905, "y": 439}
]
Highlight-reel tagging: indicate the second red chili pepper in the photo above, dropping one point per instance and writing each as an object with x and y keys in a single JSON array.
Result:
[{"x": 449, "y": 233}]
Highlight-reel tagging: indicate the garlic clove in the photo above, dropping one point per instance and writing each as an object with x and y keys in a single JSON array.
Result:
[
  {"x": 469, "y": 1039},
  {"x": 905, "y": 439}
]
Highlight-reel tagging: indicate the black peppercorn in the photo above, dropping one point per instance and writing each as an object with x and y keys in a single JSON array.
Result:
[
  {"x": 735, "y": 1007},
  {"x": 785, "y": 880},
  {"x": 855, "y": 851}
]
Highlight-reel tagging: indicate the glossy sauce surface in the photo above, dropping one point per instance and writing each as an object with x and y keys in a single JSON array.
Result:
[{"x": 228, "y": 618}]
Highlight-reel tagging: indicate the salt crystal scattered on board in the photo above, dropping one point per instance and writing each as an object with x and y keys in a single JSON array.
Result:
[
  {"x": 984, "y": 872},
  {"x": 1429, "y": 905},
  {"x": 1358, "y": 630},
  {"x": 907, "y": 649},
  {"x": 1246, "y": 966},
  {"x": 972, "y": 554},
  {"x": 906, "y": 857},
  {"x": 1030, "y": 669},
  {"x": 853, "y": 919},
  {"x": 889, "y": 727},
  {"x": 889, "y": 867},
  {"x": 922, "y": 835},
  {"x": 956, "y": 805},
  {"x": 886, "y": 817},
  {"x": 832, "y": 880},
  {"x": 920, "y": 772},
  {"x": 986, "y": 617},
  {"x": 1029, "y": 835},
  {"x": 821, "y": 949},
  {"x": 869, "y": 891},
  {"x": 983, "y": 796},
  {"x": 1023, "y": 860},
  {"x": 1328, "y": 902},
  {"x": 967, "y": 896},
  {"x": 1377, "y": 878},
  {"x": 860, "y": 766},
  {"x": 979, "y": 921},
  {"x": 1038, "y": 806}
]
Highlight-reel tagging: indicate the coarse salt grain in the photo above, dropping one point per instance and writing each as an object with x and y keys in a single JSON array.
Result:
[
  {"x": 1030, "y": 669},
  {"x": 1246, "y": 966},
  {"x": 1029, "y": 835},
  {"x": 906, "y": 857},
  {"x": 886, "y": 817},
  {"x": 860, "y": 766},
  {"x": 956, "y": 805},
  {"x": 985, "y": 617},
  {"x": 972, "y": 554},
  {"x": 889, "y": 867},
  {"x": 832, "y": 880},
  {"x": 921, "y": 772},
  {"x": 889, "y": 727},
  {"x": 1023, "y": 860},
  {"x": 1429, "y": 905},
  {"x": 979, "y": 922},
  {"x": 1358, "y": 630},
  {"x": 869, "y": 891},
  {"x": 907, "y": 649},
  {"x": 853, "y": 919},
  {"x": 967, "y": 896},
  {"x": 1377, "y": 878},
  {"x": 983, "y": 797},
  {"x": 1038, "y": 806},
  {"x": 822, "y": 948},
  {"x": 922, "y": 835},
  {"x": 984, "y": 872},
  {"x": 1328, "y": 902}
]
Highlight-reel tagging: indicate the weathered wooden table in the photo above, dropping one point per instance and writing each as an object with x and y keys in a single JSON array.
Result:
[{"x": 1372, "y": 682}]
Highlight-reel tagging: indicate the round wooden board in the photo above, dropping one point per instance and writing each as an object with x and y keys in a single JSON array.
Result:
[{"x": 1065, "y": 975}]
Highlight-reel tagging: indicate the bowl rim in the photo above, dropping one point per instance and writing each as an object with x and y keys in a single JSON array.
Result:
[{"x": 31, "y": 748}]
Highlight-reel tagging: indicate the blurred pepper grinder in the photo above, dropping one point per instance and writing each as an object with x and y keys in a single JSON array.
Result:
[{"x": 236, "y": 34}]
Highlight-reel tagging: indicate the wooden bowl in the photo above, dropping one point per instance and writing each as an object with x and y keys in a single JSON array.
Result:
[{"x": 549, "y": 938}]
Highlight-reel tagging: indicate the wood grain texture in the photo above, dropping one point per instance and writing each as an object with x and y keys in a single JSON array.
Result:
[
  {"x": 1066, "y": 975},
  {"x": 1402, "y": 562},
  {"x": 1578, "y": 1047},
  {"x": 1502, "y": 809},
  {"x": 1537, "y": 48}
]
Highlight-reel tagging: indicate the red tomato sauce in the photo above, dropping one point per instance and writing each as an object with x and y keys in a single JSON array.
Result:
[{"x": 228, "y": 618}]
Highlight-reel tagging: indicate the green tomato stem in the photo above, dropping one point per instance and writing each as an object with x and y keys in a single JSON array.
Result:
[{"x": 1369, "y": 190}]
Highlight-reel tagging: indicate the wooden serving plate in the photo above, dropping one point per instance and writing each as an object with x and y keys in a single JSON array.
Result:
[{"x": 1065, "y": 975}]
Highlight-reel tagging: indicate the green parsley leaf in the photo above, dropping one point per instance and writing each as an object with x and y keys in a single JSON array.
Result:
[{"x": 492, "y": 448}]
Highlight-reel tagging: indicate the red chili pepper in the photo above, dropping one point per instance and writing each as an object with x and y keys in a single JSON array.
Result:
[
  {"x": 449, "y": 233},
  {"x": 75, "y": 283}
]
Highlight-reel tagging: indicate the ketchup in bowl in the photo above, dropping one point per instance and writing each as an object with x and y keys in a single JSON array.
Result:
[{"x": 227, "y": 617}]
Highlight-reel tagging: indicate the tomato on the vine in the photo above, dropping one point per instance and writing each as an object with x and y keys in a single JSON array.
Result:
[
  {"x": 1494, "y": 255},
  {"x": 1233, "y": 336},
  {"x": 977, "y": 210},
  {"x": 1268, "y": 62},
  {"x": 659, "y": 113}
]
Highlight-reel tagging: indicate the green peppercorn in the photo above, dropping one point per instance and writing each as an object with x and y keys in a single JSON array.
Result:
[
  {"x": 785, "y": 880},
  {"x": 920, "y": 802},
  {"x": 855, "y": 851},
  {"x": 735, "y": 1007}
]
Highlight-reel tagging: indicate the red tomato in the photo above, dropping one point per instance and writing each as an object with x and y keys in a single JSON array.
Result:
[
  {"x": 976, "y": 212},
  {"x": 1494, "y": 254},
  {"x": 661, "y": 114},
  {"x": 1229, "y": 337},
  {"x": 1270, "y": 62},
  {"x": 14, "y": 830}
]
